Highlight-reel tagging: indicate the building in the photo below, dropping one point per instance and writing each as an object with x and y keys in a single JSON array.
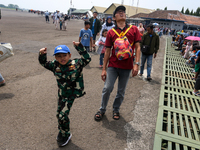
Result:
[
  {"x": 80, "y": 12},
  {"x": 99, "y": 10},
  {"x": 130, "y": 10},
  {"x": 171, "y": 19}
]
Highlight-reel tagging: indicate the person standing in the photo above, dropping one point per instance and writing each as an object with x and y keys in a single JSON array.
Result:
[
  {"x": 57, "y": 18},
  {"x": 47, "y": 16},
  {"x": 95, "y": 26},
  {"x": 65, "y": 22},
  {"x": 118, "y": 67},
  {"x": 150, "y": 39},
  {"x": 85, "y": 36},
  {"x": 86, "y": 18},
  {"x": 107, "y": 25},
  {"x": 141, "y": 29}
]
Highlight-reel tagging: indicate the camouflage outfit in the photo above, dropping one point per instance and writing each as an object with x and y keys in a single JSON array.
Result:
[{"x": 70, "y": 84}]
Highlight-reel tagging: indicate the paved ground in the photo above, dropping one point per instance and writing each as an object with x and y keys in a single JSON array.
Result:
[{"x": 28, "y": 101}]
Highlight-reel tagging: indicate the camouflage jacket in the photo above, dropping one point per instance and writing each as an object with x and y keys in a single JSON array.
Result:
[{"x": 69, "y": 77}]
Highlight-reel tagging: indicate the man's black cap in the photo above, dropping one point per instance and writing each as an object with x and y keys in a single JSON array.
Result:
[{"x": 121, "y": 7}]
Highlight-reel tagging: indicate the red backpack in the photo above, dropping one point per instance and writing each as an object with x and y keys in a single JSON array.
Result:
[{"x": 123, "y": 49}]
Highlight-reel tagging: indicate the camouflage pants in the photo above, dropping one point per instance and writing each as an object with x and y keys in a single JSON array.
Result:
[{"x": 64, "y": 106}]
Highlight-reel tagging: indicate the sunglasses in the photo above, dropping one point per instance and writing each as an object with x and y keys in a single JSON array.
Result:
[{"x": 120, "y": 11}]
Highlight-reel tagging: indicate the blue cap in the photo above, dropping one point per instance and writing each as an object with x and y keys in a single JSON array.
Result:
[{"x": 61, "y": 49}]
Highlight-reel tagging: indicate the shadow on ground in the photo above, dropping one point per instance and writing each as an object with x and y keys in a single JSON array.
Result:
[{"x": 4, "y": 96}]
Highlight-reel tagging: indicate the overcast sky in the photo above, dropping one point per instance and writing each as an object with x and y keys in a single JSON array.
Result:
[{"x": 64, "y": 5}]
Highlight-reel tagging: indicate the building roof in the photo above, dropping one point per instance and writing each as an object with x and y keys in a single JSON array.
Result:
[
  {"x": 80, "y": 11},
  {"x": 130, "y": 10},
  {"x": 171, "y": 15},
  {"x": 139, "y": 15},
  {"x": 98, "y": 9}
]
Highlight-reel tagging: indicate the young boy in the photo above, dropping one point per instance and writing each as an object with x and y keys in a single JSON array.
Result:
[
  {"x": 70, "y": 83},
  {"x": 85, "y": 36}
]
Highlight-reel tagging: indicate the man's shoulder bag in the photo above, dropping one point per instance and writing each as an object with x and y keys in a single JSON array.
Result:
[{"x": 146, "y": 48}]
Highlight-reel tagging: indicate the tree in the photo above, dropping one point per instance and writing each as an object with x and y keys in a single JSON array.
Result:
[
  {"x": 158, "y": 9},
  {"x": 16, "y": 6},
  {"x": 187, "y": 11},
  {"x": 198, "y": 11},
  {"x": 165, "y": 8},
  {"x": 182, "y": 11},
  {"x": 192, "y": 13},
  {"x": 1, "y": 5},
  {"x": 11, "y": 6}
]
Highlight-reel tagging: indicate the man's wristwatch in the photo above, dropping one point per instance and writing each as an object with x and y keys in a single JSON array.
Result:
[{"x": 137, "y": 63}]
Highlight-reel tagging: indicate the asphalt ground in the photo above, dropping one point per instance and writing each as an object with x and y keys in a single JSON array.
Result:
[{"x": 28, "y": 102}]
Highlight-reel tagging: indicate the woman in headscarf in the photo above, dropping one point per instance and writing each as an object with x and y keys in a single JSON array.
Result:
[{"x": 108, "y": 24}]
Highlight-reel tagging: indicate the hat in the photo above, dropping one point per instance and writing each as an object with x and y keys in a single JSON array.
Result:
[
  {"x": 121, "y": 7},
  {"x": 61, "y": 49}
]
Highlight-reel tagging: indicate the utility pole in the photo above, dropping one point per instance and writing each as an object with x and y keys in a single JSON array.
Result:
[{"x": 137, "y": 6}]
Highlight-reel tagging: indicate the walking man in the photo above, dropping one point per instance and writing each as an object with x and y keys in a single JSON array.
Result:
[
  {"x": 47, "y": 16},
  {"x": 57, "y": 18},
  {"x": 95, "y": 26},
  {"x": 150, "y": 39},
  {"x": 119, "y": 67}
]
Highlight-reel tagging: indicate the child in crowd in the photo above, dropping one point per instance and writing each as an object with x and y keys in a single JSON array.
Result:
[
  {"x": 61, "y": 23},
  {"x": 173, "y": 41},
  {"x": 70, "y": 83},
  {"x": 85, "y": 37},
  {"x": 101, "y": 43}
]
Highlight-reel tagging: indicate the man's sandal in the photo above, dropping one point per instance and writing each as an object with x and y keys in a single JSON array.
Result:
[
  {"x": 116, "y": 114},
  {"x": 98, "y": 116}
]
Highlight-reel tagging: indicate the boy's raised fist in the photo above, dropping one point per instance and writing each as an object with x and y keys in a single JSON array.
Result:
[{"x": 43, "y": 51}]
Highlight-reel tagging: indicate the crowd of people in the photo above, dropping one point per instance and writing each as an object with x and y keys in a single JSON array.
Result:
[{"x": 189, "y": 50}]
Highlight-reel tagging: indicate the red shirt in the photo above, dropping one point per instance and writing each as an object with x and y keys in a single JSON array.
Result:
[{"x": 133, "y": 36}]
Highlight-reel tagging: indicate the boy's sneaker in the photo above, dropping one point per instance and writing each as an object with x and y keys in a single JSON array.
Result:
[
  {"x": 64, "y": 140},
  {"x": 59, "y": 137}
]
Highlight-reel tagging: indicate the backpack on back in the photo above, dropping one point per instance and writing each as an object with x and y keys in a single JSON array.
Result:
[{"x": 122, "y": 47}]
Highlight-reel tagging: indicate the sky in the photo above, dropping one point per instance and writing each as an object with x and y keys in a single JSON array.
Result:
[{"x": 64, "y": 5}]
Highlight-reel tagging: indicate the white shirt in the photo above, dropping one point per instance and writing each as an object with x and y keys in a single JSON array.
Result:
[{"x": 106, "y": 27}]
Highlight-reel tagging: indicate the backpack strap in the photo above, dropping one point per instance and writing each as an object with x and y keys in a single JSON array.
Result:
[
  {"x": 116, "y": 32},
  {"x": 127, "y": 29},
  {"x": 123, "y": 33}
]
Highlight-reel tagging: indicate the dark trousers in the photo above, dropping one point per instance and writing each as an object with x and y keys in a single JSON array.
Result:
[
  {"x": 197, "y": 84},
  {"x": 64, "y": 106},
  {"x": 47, "y": 18}
]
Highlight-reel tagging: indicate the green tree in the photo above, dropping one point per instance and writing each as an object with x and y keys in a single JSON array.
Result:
[
  {"x": 11, "y": 6},
  {"x": 198, "y": 11},
  {"x": 158, "y": 9},
  {"x": 16, "y": 6},
  {"x": 187, "y": 11},
  {"x": 165, "y": 8},
  {"x": 182, "y": 11},
  {"x": 1, "y": 5},
  {"x": 192, "y": 13}
]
